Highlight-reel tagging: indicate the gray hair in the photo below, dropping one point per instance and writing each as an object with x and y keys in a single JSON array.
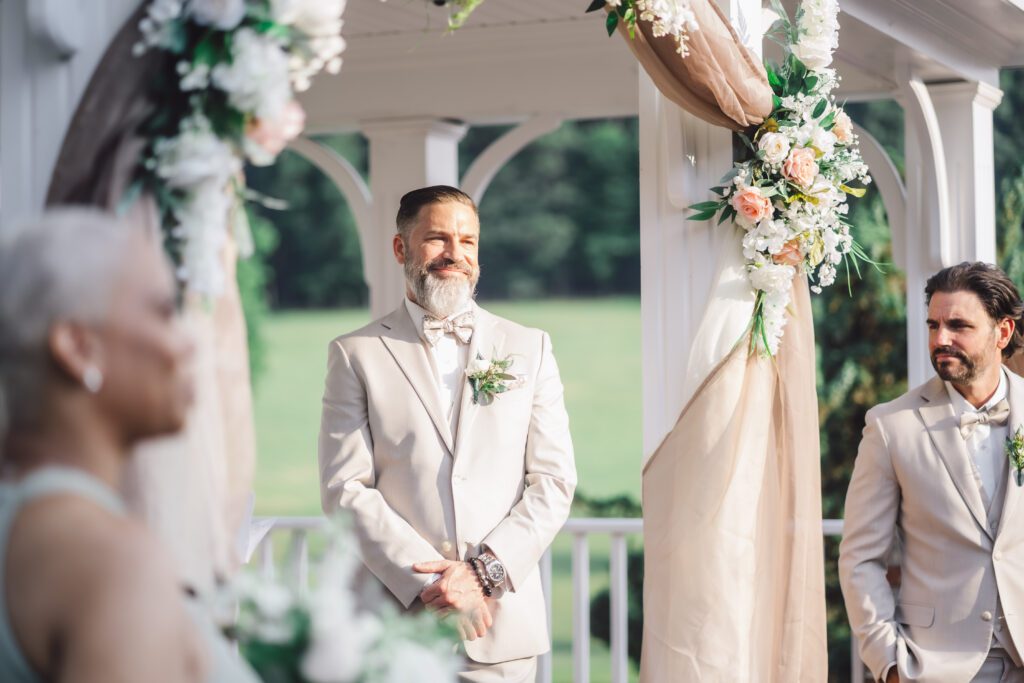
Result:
[{"x": 60, "y": 266}]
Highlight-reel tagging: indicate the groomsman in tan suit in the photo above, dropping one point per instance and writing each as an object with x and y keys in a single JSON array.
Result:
[
  {"x": 933, "y": 469},
  {"x": 456, "y": 487}
]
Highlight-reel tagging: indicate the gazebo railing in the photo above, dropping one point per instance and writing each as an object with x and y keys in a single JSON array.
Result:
[{"x": 580, "y": 530}]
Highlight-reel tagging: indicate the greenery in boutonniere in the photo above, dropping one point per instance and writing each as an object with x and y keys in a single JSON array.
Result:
[
  {"x": 488, "y": 378},
  {"x": 1015, "y": 452}
]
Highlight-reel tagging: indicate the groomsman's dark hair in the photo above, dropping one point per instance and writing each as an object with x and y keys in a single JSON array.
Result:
[
  {"x": 411, "y": 203},
  {"x": 996, "y": 290}
]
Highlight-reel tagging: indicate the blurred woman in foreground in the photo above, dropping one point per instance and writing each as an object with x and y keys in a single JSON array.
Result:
[{"x": 92, "y": 361}]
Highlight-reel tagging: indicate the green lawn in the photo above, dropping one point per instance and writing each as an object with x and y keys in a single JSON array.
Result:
[{"x": 597, "y": 345}]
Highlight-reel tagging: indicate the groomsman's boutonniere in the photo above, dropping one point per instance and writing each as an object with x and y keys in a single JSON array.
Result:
[
  {"x": 1015, "y": 451},
  {"x": 488, "y": 378}
]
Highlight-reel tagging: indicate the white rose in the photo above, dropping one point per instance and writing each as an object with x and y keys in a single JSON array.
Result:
[
  {"x": 772, "y": 277},
  {"x": 195, "y": 157},
  {"x": 257, "y": 80},
  {"x": 221, "y": 14},
  {"x": 775, "y": 147},
  {"x": 823, "y": 140},
  {"x": 313, "y": 17},
  {"x": 478, "y": 365},
  {"x": 815, "y": 52}
]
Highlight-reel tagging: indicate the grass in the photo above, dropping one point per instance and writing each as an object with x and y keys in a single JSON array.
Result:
[{"x": 597, "y": 346}]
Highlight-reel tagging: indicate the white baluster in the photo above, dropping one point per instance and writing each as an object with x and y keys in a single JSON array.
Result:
[
  {"x": 620, "y": 610},
  {"x": 580, "y": 608},
  {"x": 267, "y": 556},
  {"x": 298, "y": 558}
]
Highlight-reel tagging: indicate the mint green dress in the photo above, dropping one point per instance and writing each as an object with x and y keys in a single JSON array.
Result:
[{"x": 225, "y": 666}]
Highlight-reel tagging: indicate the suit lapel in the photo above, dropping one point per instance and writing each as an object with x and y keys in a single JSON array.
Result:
[
  {"x": 940, "y": 419},
  {"x": 406, "y": 347},
  {"x": 1015, "y": 393},
  {"x": 488, "y": 342}
]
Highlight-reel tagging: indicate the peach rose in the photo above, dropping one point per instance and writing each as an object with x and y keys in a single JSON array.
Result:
[
  {"x": 790, "y": 254},
  {"x": 752, "y": 205},
  {"x": 843, "y": 130},
  {"x": 800, "y": 166},
  {"x": 272, "y": 137}
]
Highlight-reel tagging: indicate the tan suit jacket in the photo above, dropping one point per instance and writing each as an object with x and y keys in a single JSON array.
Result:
[
  {"x": 418, "y": 493},
  {"x": 913, "y": 476}
]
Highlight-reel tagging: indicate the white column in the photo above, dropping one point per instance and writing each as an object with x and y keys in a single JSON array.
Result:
[
  {"x": 681, "y": 158},
  {"x": 960, "y": 121},
  {"x": 404, "y": 155}
]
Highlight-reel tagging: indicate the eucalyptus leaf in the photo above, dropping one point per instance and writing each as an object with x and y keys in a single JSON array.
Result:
[{"x": 611, "y": 23}]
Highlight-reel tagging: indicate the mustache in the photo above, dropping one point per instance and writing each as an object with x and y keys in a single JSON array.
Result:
[
  {"x": 444, "y": 263},
  {"x": 949, "y": 351}
]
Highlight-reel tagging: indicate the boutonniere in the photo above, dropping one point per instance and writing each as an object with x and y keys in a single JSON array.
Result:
[
  {"x": 1015, "y": 452},
  {"x": 488, "y": 378}
]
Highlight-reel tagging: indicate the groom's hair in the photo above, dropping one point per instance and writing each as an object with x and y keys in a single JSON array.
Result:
[
  {"x": 411, "y": 203},
  {"x": 992, "y": 286}
]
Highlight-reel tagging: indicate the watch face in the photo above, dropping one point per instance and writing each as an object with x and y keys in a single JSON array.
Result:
[{"x": 495, "y": 572}]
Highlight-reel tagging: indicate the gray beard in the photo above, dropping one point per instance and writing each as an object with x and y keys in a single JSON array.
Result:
[{"x": 439, "y": 295}]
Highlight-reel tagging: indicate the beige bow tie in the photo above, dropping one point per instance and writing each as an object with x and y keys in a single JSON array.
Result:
[
  {"x": 996, "y": 415},
  {"x": 461, "y": 326}
]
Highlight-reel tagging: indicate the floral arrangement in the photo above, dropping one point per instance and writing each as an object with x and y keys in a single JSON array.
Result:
[
  {"x": 1015, "y": 452},
  {"x": 667, "y": 18},
  {"x": 789, "y": 191},
  {"x": 325, "y": 634},
  {"x": 226, "y": 95},
  {"x": 488, "y": 378}
]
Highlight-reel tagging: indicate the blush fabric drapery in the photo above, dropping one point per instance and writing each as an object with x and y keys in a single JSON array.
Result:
[{"x": 193, "y": 489}]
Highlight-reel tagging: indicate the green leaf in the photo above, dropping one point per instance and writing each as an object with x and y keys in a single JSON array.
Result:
[
  {"x": 727, "y": 213},
  {"x": 730, "y": 175},
  {"x": 810, "y": 81},
  {"x": 611, "y": 23},
  {"x": 595, "y": 5},
  {"x": 703, "y": 216},
  {"x": 776, "y": 102},
  {"x": 773, "y": 77},
  {"x": 819, "y": 108},
  {"x": 706, "y": 206}
]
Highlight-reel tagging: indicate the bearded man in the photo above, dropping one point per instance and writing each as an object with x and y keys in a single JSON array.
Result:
[
  {"x": 444, "y": 434},
  {"x": 935, "y": 469}
]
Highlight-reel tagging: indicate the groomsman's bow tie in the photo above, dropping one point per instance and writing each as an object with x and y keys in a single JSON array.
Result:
[
  {"x": 461, "y": 326},
  {"x": 996, "y": 415}
]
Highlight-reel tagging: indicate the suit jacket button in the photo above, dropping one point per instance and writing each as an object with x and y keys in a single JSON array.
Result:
[
  {"x": 446, "y": 547},
  {"x": 986, "y": 616},
  {"x": 997, "y": 556}
]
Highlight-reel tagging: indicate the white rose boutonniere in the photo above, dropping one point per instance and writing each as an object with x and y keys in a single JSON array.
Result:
[
  {"x": 488, "y": 378},
  {"x": 1015, "y": 452}
]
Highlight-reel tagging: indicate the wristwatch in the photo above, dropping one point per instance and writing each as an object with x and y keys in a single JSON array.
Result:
[{"x": 493, "y": 569}]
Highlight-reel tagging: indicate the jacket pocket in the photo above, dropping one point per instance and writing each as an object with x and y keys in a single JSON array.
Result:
[{"x": 915, "y": 615}]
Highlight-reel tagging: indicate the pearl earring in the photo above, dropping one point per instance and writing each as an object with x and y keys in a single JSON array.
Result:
[{"x": 92, "y": 379}]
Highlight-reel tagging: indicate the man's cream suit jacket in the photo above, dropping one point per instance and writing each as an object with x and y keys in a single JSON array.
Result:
[
  {"x": 418, "y": 493},
  {"x": 913, "y": 474}
]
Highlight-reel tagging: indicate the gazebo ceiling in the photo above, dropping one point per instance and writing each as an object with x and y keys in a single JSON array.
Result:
[{"x": 514, "y": 60}]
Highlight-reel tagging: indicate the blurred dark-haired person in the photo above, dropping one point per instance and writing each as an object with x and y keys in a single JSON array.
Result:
[
  {"x": 934, "y": 469},
  {"x": 444, "y": 433},
  {"x": 92, "y": 360}
]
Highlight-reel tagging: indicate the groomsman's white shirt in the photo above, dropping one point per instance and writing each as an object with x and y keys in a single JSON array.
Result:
[
  {"x": 986, "y": 443},
  {"x": 449, "y": 357}
]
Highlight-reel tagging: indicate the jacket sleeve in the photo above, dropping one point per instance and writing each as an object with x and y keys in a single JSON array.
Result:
[
  {"x": 520, "y": 539},
  {"x": 872, "y": 506},
  {"x": 389, "y": 545}
]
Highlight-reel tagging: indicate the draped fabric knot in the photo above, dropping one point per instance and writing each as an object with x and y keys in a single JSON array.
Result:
[
  {"x": 461, "y": 326},
  {"x": 995, "y": 415}
]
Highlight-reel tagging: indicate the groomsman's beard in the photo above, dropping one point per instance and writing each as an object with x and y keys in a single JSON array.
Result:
[
  {"x": 964, "y": 373},
  {"x": 442, "y": 296}
]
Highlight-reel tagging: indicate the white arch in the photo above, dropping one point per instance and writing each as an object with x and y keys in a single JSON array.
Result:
[
  {"x": 483, "y": 169},
  {"x": 894, "y": 193},
  {"x": 351, "y": 185}
]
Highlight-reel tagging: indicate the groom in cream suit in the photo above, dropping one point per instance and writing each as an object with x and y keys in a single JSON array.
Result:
[
  {"x": 456, "y": 488},
  {"x": 933, "y": 469}
]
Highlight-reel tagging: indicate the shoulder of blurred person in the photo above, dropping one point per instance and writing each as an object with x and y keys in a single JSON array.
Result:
[{"x": 83, "y": 581}]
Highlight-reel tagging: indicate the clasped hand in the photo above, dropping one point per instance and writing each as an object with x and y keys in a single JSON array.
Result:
[{"x": 457, "y": 591}]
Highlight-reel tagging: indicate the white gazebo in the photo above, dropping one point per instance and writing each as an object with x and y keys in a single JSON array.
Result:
[{"x": 412, "y": 89}]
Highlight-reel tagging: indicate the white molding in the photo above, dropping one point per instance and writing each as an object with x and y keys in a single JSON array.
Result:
[
  {"x": 890, "y": 185},
  {"x": 481, "y": 172},
  {"x": 59, "y": 24},
  {"x": 348, "y": 181},
  {"x": 920, "y": 113}
]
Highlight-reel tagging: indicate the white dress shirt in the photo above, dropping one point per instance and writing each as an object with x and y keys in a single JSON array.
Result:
[
  {"x": 986, "y": 443},
  {"x": 449, "y": 358}
]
